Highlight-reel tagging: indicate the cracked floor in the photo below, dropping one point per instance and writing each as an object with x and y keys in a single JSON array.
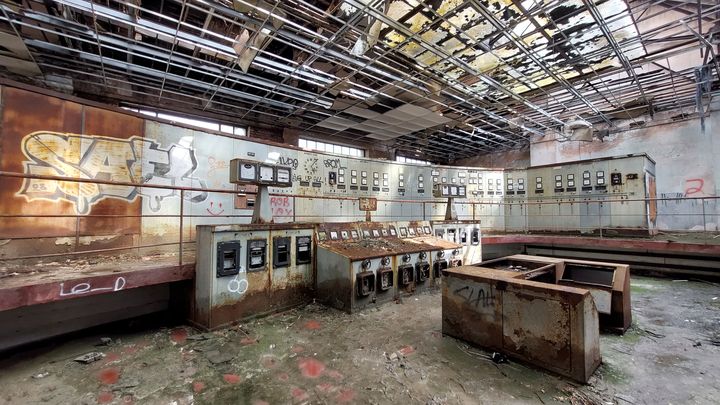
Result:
[{"x": 393, "y": 354}]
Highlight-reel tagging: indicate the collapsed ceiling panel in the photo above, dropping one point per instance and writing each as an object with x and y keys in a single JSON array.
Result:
[{"x": 445, "y": 77}]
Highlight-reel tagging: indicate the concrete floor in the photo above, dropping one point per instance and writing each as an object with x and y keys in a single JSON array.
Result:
[{"x": 394, "y": 354}]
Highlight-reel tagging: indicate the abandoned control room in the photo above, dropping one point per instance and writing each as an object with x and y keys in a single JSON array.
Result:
[{"x": 360, "y": 202}]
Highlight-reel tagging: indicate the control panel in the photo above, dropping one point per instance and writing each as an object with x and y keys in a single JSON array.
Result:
[{"x": 238, "y": 261}]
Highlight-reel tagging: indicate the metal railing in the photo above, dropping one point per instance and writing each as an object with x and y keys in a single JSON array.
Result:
[{"x": 692, "y": 219}]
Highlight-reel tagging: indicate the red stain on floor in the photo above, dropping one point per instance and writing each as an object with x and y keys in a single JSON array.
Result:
[
  {"x": 110, "y": 357},
  {"x": 198, "y": 387},
  {"x": 299, "y": 394},
  {"x": 335, "y": 374},
  {"x": 231, "y": 378},
  {"x": 248, "y": 341},
  {"x": 269, "y": 361},
  {"x": 105, "y": 397},
  {"x": 345, "y": 395},
  {"x": 406, "y": 350},
  {"x": 178, "y": 335},
  {"x": 109, "y": 375},
  {"x": 312, "y": 325},
  {"x": 260, "y": 402},
  {"x": 297, "y": 349},
  {"x": 283, "y": 377},
  {"x": 310, "y": 367}
]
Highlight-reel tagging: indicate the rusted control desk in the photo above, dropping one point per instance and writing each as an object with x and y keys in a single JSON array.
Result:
[{"x": 553, "y": 326}]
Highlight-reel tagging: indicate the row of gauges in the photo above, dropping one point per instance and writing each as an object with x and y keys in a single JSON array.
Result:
[
  {"x": 520, "y": 184},
  {"x": 251, "y": 172},
  {"x": 586, "y": 182},
  {"x": 419, "y": 231},
  {"x": 385, "y": 261},
  {"x": 449, "y": 190},
  {"x": 421, "y": 256},
  {"x": 339, "y": 177},
  {"x": 373, "y": 233}
]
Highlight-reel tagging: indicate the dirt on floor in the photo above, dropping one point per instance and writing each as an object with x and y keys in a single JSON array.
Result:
[{"x": 392, "y": 354}]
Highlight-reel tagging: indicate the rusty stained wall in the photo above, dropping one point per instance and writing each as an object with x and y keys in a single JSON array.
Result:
[
  {"x": 686, "y": 165},
  {"x": 510, "y": 159},
  {"x": 34, "y": 140},
  {"x": 50, "y": 136}
]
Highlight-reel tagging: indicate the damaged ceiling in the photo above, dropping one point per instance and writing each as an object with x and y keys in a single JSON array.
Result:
[{"x": 437, "y": 79}]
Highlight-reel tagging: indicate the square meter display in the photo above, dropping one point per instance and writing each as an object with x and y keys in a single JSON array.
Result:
[{"x": 267, "y": 174}]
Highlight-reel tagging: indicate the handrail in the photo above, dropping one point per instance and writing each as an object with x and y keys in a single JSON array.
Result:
[
  {"x": 469, "y": 204},
  {"x": 526, "y": 198}
]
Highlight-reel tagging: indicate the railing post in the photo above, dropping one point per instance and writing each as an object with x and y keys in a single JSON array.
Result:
[
  {"x": 182, "y": 211},
  {"x": 77, "y": 232},
  {"x": 423, "y": 206},
  {"x": 702, "y": 201},
  {"x": 600, "y": 218}
]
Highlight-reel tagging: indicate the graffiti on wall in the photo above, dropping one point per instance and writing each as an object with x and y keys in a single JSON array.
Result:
[{"x": 135, "y": 160}]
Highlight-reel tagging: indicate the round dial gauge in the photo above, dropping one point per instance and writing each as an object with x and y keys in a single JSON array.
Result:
[
  {"x": 406, "y": 258},
  {"x": 385, "y": 261},
  {"x": 441, "y": 254},
  {"x": 422, "y": 255},
  {"x": 365, "y": 264}
]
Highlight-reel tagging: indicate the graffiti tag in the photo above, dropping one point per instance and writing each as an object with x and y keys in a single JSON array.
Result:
[
  {"x": 214, "y": 165},
  {"x": 288, "y": 161},
  {"x": 477, "y": 298},
  {"x": 332, "y": 163},
  {"x": 134, "y": 160},
  {"x": 694, "y": 186},
  {"x": 238, "y": 285},
  {"x": 281, "y": 206},
  {"x": 85, "y": 288},
  {"x": 213, "y": 211}
]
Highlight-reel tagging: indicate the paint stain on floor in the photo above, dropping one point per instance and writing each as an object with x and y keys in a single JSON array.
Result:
[
  {"x": 109, "y": 376},
  {"x": 310, "y": 367}
]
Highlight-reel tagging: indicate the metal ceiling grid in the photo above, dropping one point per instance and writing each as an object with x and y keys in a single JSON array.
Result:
[{"x": 495, "y": 71}]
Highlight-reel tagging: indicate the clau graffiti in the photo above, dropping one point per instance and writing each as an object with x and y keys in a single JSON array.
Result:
[
  {"x": 476, "y": 298},
  {"x": 134, "y": 160}
]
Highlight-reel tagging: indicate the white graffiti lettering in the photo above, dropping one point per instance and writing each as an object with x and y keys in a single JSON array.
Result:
[
  {"x": 85, "y": 288},
  {"x": 134, "y": 160},
  {"x": 238, "y": 285}
]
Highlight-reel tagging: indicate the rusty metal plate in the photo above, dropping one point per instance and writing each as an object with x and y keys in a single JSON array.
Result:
[
  {"x": 538, "y": 329},
  {"x": 24, "y": 113},
  {"x": 44, "y": 136}
]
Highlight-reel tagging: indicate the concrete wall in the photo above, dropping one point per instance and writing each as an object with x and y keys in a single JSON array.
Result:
[
  {"x": 687, "y": 165},
  {"x": 511, "y": 159},
  {"x": 42, "y": 135}
]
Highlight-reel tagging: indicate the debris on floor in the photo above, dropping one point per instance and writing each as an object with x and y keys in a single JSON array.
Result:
[
  {"x": 392, "y": 355},
  {"x": 90, "y": 357}
]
